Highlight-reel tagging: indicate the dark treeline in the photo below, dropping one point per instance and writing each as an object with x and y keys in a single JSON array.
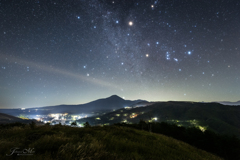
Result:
[{"x": 225, "y": 146}]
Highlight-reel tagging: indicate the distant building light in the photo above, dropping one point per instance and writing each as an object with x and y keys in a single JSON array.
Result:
[
  {"x": 203, "y": 129},
  {"x": 124, "y": 121},
  {"x": 134, "y": 115},
  {"x": 111, "y": 119}
]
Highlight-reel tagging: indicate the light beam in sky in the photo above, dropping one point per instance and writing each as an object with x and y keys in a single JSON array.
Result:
[{"x": 47, "y": 68}]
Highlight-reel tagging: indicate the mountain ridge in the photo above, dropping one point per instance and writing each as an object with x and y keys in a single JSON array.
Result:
[
  {"x": 104, "y": 104},
  {"x": 215, "y": 116}
]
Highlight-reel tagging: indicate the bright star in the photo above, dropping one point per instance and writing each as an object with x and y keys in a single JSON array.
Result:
[{"x": 167, "y": 56}]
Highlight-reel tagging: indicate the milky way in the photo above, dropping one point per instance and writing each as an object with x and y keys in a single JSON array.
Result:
[{"x": 71, "y": 52}]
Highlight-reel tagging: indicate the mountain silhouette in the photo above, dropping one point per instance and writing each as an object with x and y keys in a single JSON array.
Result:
[
  {"x": 5, "y": 118},
  {"x": 113, "y": 102}
]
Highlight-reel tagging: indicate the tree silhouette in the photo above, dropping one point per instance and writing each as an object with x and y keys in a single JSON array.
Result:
[
  {"x": 86, "y": 125},
  {"x": 150, "y": 116},
  {"x": 142, "y": 123},
  {"x": 32, "y": 125},
  {"x": 74, "y": 123}
]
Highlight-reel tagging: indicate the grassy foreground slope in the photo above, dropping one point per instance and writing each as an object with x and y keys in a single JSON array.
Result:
[{"x": 108, "y": 142}]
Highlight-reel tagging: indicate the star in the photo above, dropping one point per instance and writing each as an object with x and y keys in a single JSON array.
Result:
[
  {"x": 130, "y": 23},
  {"x": 152, "y": 6}
]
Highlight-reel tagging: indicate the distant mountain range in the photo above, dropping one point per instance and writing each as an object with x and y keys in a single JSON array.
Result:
[
  {"x": 111, "y": 103},
  {"x": 230, "y": 103},
  {"x": 215, "y": 116}
]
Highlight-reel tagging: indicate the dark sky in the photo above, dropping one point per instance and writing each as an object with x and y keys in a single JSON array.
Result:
[{"x": 75, "y": 51}]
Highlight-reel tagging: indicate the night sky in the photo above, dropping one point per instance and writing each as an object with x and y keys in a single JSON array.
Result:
[{"x": 74, "y": 51}]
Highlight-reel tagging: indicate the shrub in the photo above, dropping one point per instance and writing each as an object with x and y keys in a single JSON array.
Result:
[
  {"x": 32, "y": 125},
  {"x": 86, "y": 125}
]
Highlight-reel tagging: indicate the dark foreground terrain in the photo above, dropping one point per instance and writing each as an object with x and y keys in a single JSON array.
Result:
[{"x": 107, "y": 142}]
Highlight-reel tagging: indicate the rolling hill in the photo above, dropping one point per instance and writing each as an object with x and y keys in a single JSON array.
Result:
[
  {"x": 217, "y": 117},
  {"x": 5, "y": 119}
]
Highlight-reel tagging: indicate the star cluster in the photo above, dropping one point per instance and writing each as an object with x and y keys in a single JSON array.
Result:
[{"x": 71, "y": 52}]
